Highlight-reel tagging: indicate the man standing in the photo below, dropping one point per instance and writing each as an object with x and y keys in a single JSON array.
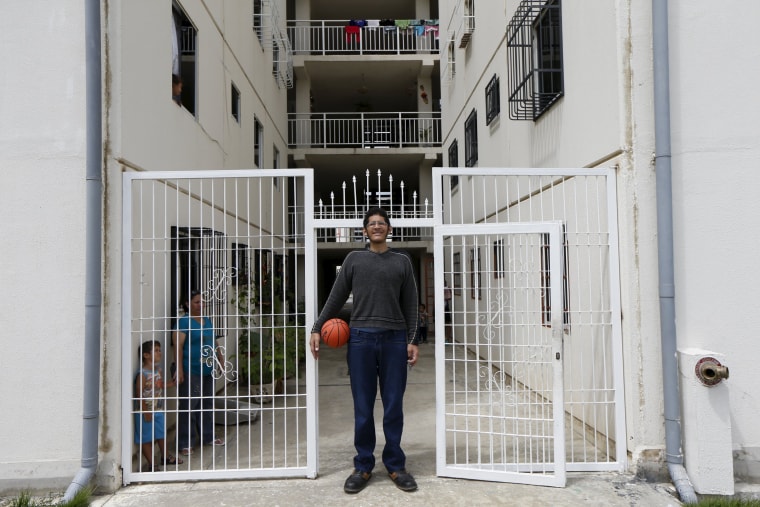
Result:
[{"x": 383, "y": 345}]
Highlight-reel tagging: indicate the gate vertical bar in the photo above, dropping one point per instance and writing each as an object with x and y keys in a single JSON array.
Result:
[{"x": 616, "y": 312}]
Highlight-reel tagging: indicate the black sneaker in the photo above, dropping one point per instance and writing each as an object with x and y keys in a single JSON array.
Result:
[
  {"x": 403, "y": 480},
  {"x": 356, "y": 482}
]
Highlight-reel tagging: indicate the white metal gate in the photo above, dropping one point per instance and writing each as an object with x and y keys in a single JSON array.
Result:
[
  {"x": 529, "y": 378},
  {"x": 238, "y": 238}
]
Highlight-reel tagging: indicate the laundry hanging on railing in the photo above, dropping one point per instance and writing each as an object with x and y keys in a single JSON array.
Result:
[
  {"x": 353, "y": 32},
  {"x": 420, "y": 27}
]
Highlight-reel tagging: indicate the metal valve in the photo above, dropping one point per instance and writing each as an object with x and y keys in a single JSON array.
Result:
[{"x": 709, "y": 371}]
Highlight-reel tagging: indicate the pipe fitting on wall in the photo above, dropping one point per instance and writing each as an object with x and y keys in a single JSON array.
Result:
[{"x": 710, "y": 372}]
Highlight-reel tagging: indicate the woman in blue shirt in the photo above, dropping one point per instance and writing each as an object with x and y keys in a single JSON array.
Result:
[{"x": 194, "y": 346}]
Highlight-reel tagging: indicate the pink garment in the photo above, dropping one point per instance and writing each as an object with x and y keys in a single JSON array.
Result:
[{"x": 433, "y": 29}]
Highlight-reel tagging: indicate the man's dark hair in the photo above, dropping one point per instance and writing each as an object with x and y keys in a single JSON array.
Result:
[{"x": 376, "y": 211}]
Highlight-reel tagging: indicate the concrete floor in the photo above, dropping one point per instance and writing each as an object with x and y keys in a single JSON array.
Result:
[{"x": 336, "y": 453}]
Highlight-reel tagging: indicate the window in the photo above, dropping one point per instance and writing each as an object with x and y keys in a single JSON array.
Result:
[
  {"x": 534, "y": 46},
  {"x": 471, "y": 140},
  {"x": 466, "y": 9},
  {"x": 457, "y": 270},
  {"x": 493, "y": 106},
  {"x": 452, "y": 52},
  {"x": 454, "y": 161},
  {"x": 475, "y": 273},
  {"x": 276, "y": 61},
  {"x": 240, "y": 269},
  {"x": 235, "y": 103},
  {"x": 184, "y": 64},
  {"x": 258, "y": 138},
  {"x": 258, "y": 13},
  {"x": 498, "y": 259},
  {"x": 199, "y": 262},
  {"x": 546, "y": 300}
]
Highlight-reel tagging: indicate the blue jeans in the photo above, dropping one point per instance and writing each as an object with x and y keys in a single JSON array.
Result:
[
  {"x": 373, "y": 356},
  {"x": 195, "y": 410}
]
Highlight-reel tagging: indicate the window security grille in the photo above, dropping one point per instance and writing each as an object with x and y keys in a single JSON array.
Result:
[
  {"x": 534, "y": 46},
  {"x": 466, "y": 10},
  {"x": 454, "y": 161},
  {"x": 493, "y": 100},
  {"x": 235, "y": 102},
  {"x": 198, "y": 263},
  {"x": 258, "y": 139},
  {"x": 471, "y": 139},
  {"x": 449, "y": 64}
]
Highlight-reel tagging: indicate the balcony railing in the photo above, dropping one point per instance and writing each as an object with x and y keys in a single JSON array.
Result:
[
  {"x": 364, "y": 130},
  {"x": 325, "y": 37}
]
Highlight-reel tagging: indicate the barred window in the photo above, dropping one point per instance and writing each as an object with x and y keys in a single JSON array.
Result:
[
  {"x": 235, "y": 102},
  {"x": 258, "y": 140},
  {"x": 471, "y": 139},
  {"x": 258, "y": 14},
  {"x": 534, "y": 46},
  {"x": 493, "y": 100},
  {"x": 454, "y": 161}
]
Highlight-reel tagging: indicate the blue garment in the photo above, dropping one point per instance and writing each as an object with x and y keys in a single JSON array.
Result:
[
  {"x": 150, "y": 431},
  {"x": 371, "y": 356},
  {"x": 195, "y": 410},
  {"x": 149, "y": 399},
  {"x": 198, "y": 348}
]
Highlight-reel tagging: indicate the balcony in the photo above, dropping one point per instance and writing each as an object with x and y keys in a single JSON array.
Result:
[
  {"x": 334, "y": 37},
  {"x": 364, "y": 130}
]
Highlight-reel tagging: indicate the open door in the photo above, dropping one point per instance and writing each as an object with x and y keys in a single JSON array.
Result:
[{"x": 499, "y": 380}]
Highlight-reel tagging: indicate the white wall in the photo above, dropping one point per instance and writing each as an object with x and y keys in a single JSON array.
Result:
[
  {"x": 42, "y": 201},
  {"x": 147, "y": 131},
  {"x": 716, "y": 148}
]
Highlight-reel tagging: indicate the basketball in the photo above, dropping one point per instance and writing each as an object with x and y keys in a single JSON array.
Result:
[{"x": 335, "y": 333}]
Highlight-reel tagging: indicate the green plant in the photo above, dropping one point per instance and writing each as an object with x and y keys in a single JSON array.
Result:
[
  {"x": 268, "y": 348},
  {"x": 81, "y": 499},
  {"x": 726, "y": 502}
]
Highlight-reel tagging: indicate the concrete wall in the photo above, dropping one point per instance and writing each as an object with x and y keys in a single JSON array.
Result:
[
  {"x": 147, "y": 131},
  {"x": 716, "y": 148},
  {"x": 42, "y": 137},
  {"x": 42, "y": 200}
]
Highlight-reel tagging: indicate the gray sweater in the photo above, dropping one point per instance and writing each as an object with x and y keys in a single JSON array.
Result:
[{"x": 384, "y": 288}]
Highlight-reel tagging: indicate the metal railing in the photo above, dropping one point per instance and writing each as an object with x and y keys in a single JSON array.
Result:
[
  {"x": 364, "y": 130},
  {"x": 323, "y": 37}
]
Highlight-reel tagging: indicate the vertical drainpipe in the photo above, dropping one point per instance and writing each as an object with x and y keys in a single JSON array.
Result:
[
  {"x": 673, "y": 452},
  {"x": 93, "y": 234}
]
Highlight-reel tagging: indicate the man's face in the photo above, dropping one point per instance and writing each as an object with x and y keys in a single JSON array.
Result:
[{"x": 377, "y": 229}]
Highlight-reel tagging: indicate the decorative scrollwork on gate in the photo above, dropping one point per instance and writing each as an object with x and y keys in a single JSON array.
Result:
[
  {"x": 219, "y": 278},
  {"x": 493, "y": 320},
  {"x": 211, "y": 359},
  {"x": 497, "y": 384}
]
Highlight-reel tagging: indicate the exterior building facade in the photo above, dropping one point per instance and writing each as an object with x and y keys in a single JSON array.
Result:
[{"x": 370, "y": 95}]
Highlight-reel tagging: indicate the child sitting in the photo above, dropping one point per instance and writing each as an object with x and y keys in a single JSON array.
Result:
[{"x": 150, "y": 423}]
